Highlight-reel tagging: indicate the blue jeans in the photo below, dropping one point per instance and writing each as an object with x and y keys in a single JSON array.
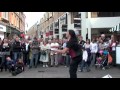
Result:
[
  {"x": 16, "y": 56},
  {"x": 67, "y": 60},
  {"x": 32, "y": 60},
  {"x": 2, "y": 58},
  {"x": 84, "y": 64},
  {"x": 2, "y": 61},
  {"x": 93, "y": 59}
]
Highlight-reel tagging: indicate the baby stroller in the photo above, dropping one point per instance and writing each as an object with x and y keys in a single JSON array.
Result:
[{"x": 102, "y": 60}]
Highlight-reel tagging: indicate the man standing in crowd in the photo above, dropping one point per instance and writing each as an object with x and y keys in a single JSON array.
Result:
[
  {"x": 66, "y": 56},
  {"x": 16, "y": 49},
  {"x": 26, "y": 49},
  {"x": 94, "y": 50},
  {"x": 103, "y": 37},
  {"x": 35, "y": 52},
  {"x": 49, "y": 49}
]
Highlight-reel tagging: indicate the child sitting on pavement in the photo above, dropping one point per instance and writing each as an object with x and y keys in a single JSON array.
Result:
[
  {"x": 10, "y": 64},
  {"x": 18, "y": 68}
]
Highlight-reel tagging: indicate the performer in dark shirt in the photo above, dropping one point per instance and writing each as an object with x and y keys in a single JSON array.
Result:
[{"x": 75, "y": 52}]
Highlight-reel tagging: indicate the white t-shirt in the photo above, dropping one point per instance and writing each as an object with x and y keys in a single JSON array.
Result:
[
  {"x": 48, "y": 46},
  {"x": 27, "y": 44},
  {"x": 93, "y": 47},
  {"x": 43, "y": 47},
  {"x": 87, "y": 45},
  {"x": 64, "y": 45},
  {"x": 113, "y": 46},
  {"x": 52, "y": 45},
  {"x": 85, "y": 55}
]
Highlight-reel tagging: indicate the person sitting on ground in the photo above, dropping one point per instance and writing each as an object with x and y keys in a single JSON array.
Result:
[
  {"x": 18, "y": 68},
  {"x": 10, "y": 63}
]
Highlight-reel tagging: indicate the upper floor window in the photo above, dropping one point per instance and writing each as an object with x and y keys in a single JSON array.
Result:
[
  {"x": 5, "y": 15},
  {"x": 104, "y": 14}
]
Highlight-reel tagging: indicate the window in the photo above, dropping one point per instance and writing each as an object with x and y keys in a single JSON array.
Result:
[
  {"x": 86, "y": 14},
  {"x": 105, "y": 14},
  {"x": 64, "y": 28},
  {"x": 12, "y": 18},
  {"x": 17, "y": 22},
  {"x": 51, "y": 27},
  {"x": 77, "y": 23},
  {"x": 57, "y": 36},
  {"x": 50, "y": 14},
  {"x": 56, "y": 31},
  {"x": 53, "y": 14},
  {"x": 47, "y": 15},
  {"x": 56, "y": 24},
  {"x": 63, "y": 19},
  {"x": 94, "y": 14},
  {"x": 64, "y": 35},
  {"x": 5, "y": 15}
]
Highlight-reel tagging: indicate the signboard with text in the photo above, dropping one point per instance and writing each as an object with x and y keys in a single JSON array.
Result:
[{"x": 2, "y": 28}]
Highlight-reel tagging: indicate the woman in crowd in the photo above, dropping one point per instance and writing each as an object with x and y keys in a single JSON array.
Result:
[
  {"x": 87, "y": 47},
  {"x": 113, "y": 45},
  {"x": 44, "y": 54},
  {"x": 61, "y": 56},
  {"x": 54, "y": 55},
  {"x": 6, "y": 51},
  {"x": 48, "y": 49},
  {"x": 101, "y": 45},
  {"x": 75, "y": 52}
]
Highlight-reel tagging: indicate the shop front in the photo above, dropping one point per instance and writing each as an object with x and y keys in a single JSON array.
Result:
[
  {"x": 96, "y": 32},
  {"x": 11, "y": 32}
]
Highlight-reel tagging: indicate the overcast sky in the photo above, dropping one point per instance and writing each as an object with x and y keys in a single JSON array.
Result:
[{"x": 32, "y": 18}]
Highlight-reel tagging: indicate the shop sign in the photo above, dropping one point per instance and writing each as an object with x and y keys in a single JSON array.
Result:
[{"x": 2, "y": 28}]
